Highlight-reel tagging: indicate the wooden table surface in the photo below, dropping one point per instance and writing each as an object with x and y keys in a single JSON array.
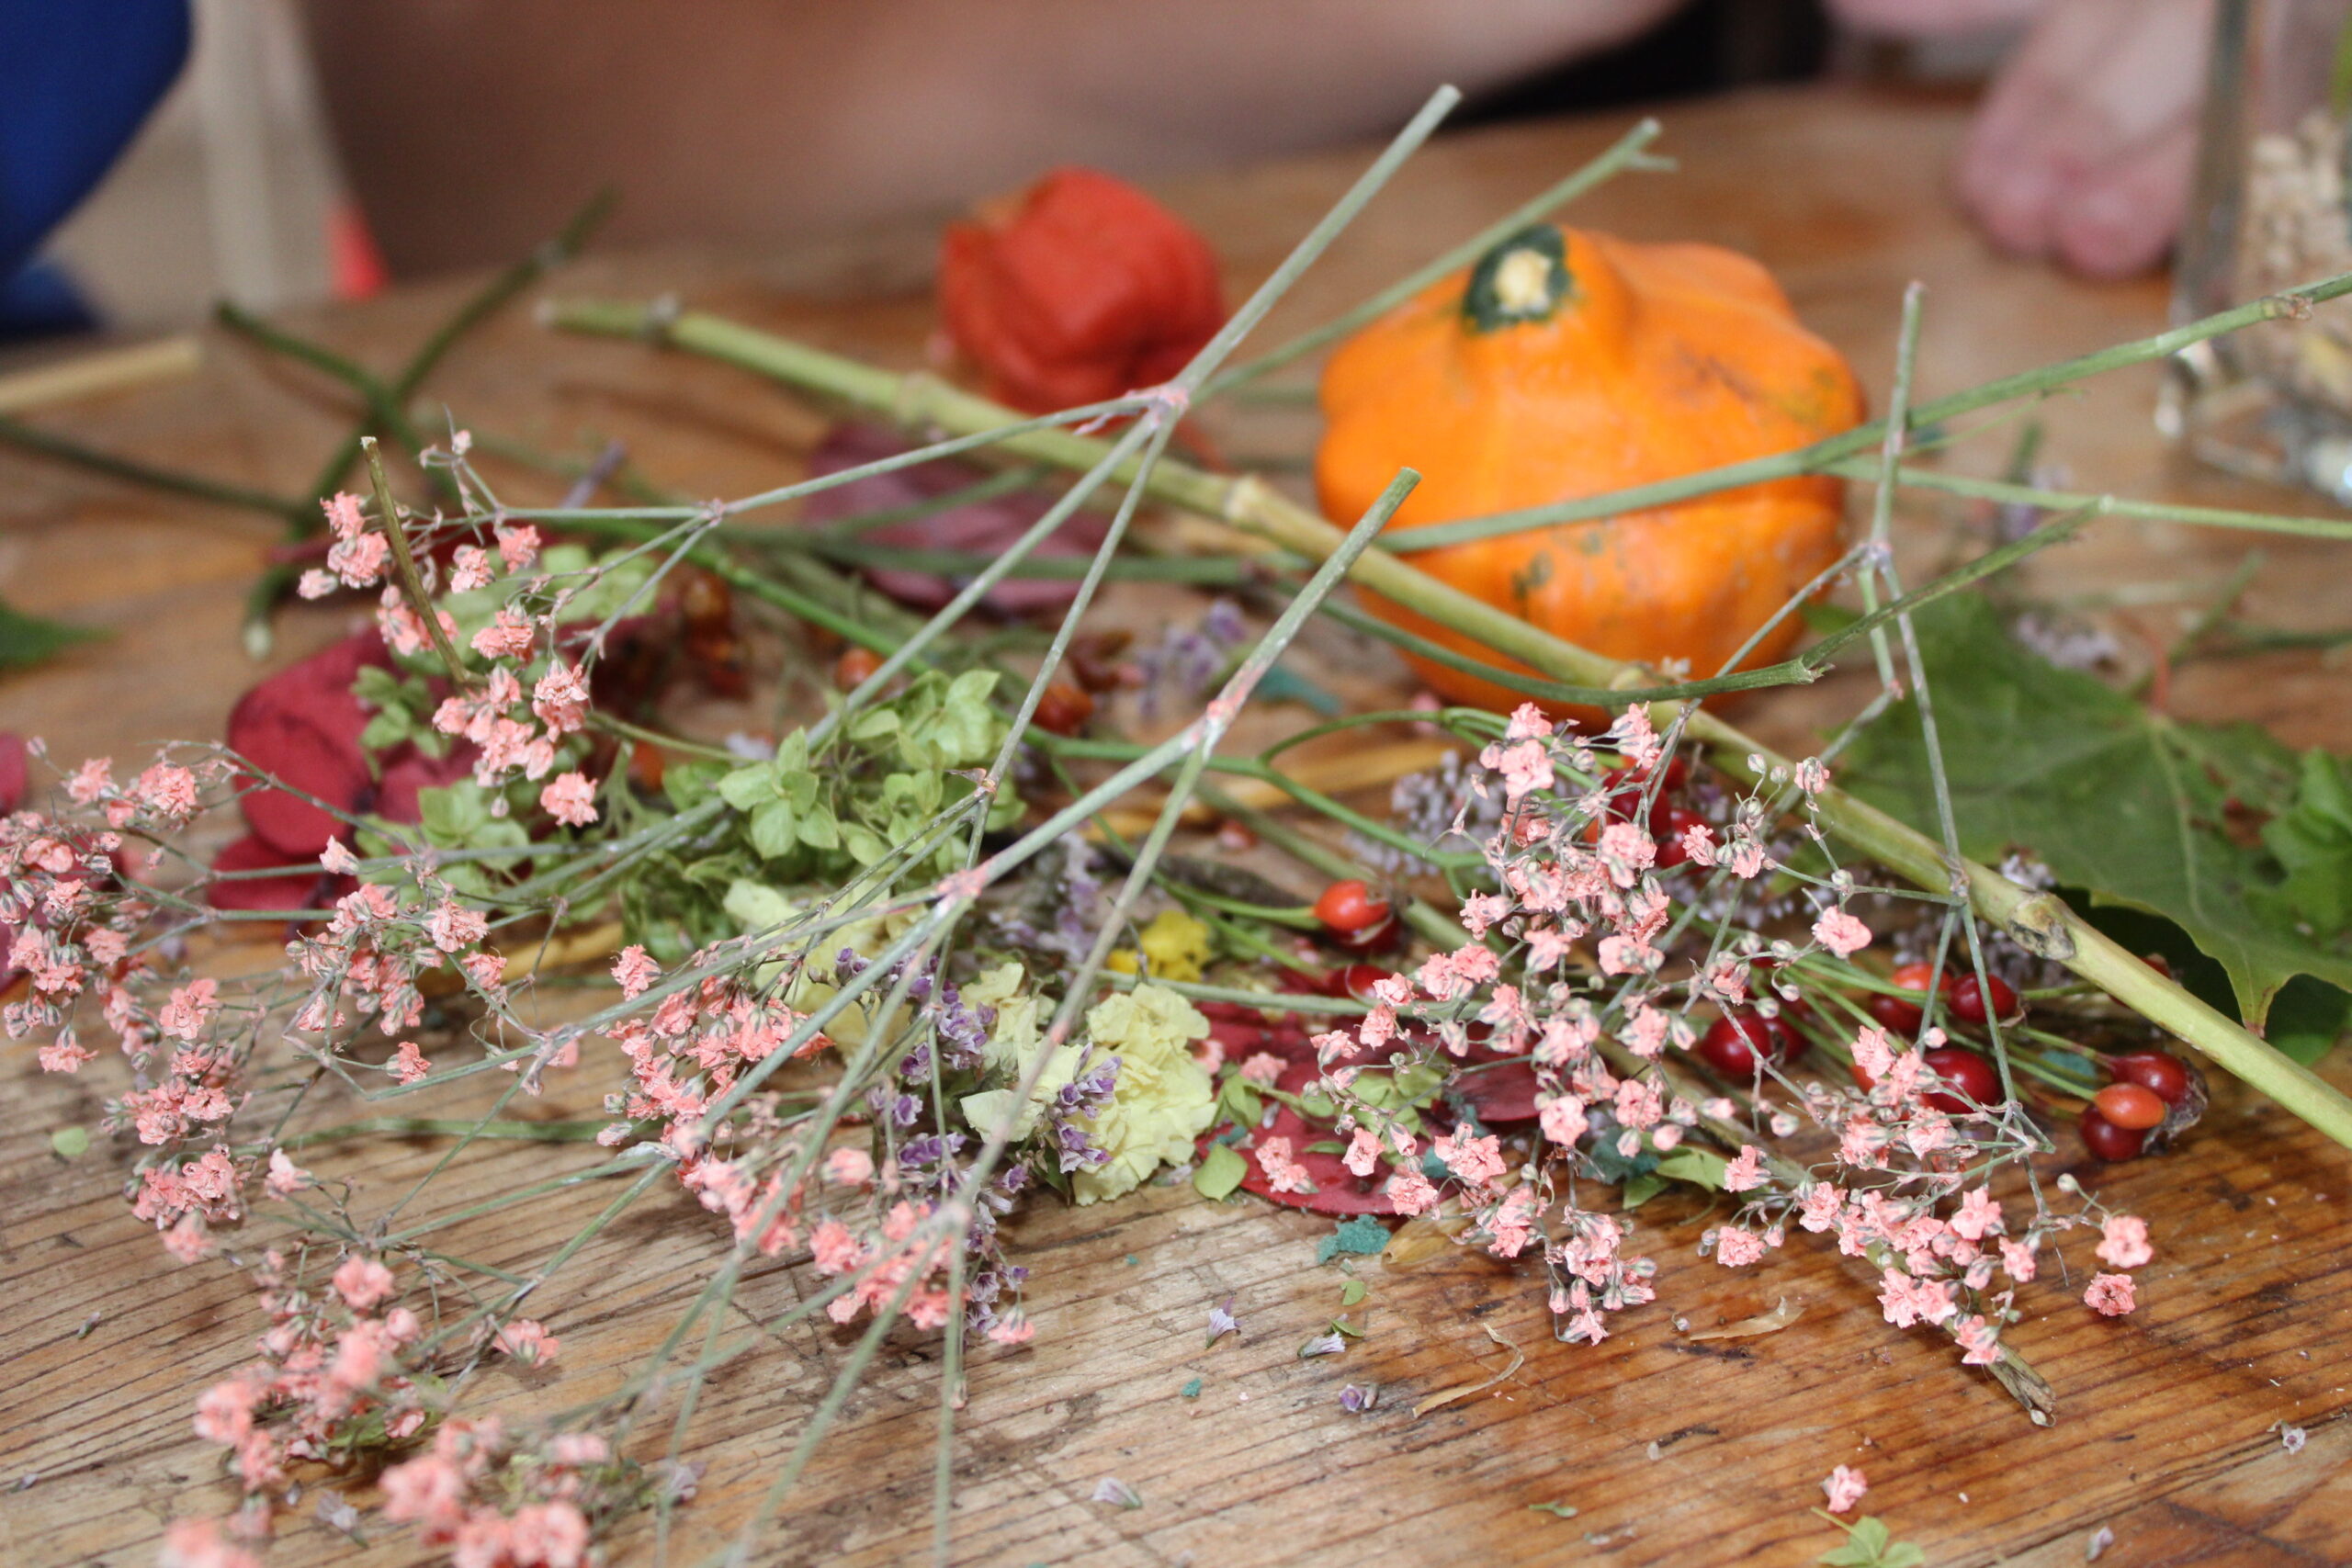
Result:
[{"x": 1675, "y": 1450}]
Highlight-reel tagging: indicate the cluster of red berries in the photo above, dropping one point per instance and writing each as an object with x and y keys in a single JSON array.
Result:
[{"x": 2148, "y": 1085}]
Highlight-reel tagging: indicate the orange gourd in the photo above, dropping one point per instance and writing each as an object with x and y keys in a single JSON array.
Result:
[{"x": 1567, "y": 365}]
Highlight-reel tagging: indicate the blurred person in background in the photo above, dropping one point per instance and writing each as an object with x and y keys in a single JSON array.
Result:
[{"x": 469, "y": 127}]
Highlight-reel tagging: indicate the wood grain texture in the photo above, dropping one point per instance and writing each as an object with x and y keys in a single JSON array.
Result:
[{"x": 1676, "y": 1451}]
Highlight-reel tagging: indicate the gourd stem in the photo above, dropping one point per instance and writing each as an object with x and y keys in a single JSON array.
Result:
[{"x": 2039, "y": 922}]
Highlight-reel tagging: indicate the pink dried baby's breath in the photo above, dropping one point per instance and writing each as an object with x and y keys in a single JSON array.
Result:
[
  {"x": 2111, "y": 1295},
  {"x": 1844, "y": 1487}
]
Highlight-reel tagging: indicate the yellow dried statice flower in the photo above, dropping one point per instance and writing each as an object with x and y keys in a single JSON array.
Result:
[{"x": 1176, "y": 944}]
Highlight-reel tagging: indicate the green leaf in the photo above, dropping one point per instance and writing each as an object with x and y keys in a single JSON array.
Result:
[
  {"x": 687, "y": 783},
  {"x": 27, "y": 641},
  {"x": 389, "y": 727},
  {"x": 965, "y": 731},
  {"x": 818, "y": 830},
  {"x": 2312, "y": 842},
  {"x": 1701, "y": 1165},
  {"x": 1218, "y": 1174},
  {"x": 1868, "y": 1546},
  {"x": 865, "y": 845},
  {"x": 774, "y": 832},
  {"x": 1353, "y": 1292},
  {"x": 1241, "y": 1101},
  {"x": 1557, "y": 1510},
  {"x": 452, "y": 814},
  {"x": 747, "y": 789},
  {"x": 70, "y": 1142},
  {"x": 1640, "y": 1189},
  {"x": 874, "y": 723},
  {"x": 2117, "y": 801},
  {"x": 1362, "y": 1235}
]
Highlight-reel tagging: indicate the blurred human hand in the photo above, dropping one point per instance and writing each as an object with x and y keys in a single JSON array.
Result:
[{"x": 2082, "y": 150}]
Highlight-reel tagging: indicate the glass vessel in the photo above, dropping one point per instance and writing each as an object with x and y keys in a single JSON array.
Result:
[{"x": 2271, "y": 209}]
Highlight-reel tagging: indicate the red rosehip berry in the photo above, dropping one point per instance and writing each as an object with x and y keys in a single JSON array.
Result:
[
  {"x": 1894, "y": 1015},
  {"x": 1386, "y": 936},
  {"x": 1357, "y": 980},
  {"x": 2130, "y": 1106},
  {"x": 1667, "y": 826},
  {"x": 1738, "y": 1045},
  {"x": 2161, "y": 1071},
  {"x": 1348, "y": 908},
  {"x": 2108, "y": 1142},
  {"x": 1970, "y": 1075},
  {"x": 1974, "y": 1001}
]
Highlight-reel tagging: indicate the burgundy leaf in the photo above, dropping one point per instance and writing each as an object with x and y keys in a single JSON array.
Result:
[
  {"x": 301, "y": 725},
  {"x": 985, "y": 528},
  {"x": 12, "y": 771},
  {"x": 302, "y": 886}
]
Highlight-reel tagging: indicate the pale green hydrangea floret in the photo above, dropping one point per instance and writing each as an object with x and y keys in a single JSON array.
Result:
[{"x": 1163, "y": 1102}]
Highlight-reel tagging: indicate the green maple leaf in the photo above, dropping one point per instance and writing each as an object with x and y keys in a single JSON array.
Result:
[{"x": 2121, "y": 803}]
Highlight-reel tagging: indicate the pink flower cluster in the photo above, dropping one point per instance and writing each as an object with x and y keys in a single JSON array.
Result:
[
  {"x": 333, "y": 1364},
  {"x": 462, "y": 1494}
]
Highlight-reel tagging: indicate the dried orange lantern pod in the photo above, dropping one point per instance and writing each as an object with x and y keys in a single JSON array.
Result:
[
  {"x": 1567, "y": 365},
  {"x": 1082, "y": 288}
]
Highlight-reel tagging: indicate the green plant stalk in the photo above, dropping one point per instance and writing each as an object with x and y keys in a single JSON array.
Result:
[
  {"x": 58, "y": 448},
  {"x": 478, "y": 308},
  {"x": 2040, "y": 922},
  {"x": 1625, "y": 154},
  {"x": 404, "y": 561},
  {"x": 2007, "y": 494}
]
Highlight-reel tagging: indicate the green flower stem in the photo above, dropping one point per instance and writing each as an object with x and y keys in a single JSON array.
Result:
[
  {"x": 2040, "y": 922},
  {"x": 451, "y": 1127},
  {"x": 478, "y": 308},
  {"x": 388, "y": 513},
  {"x": 58, "y": 448},
  {"x": 1626, "y": 154},
  {"x": 1198, "y": 571},
  {"x": 2010, "y": 494}
]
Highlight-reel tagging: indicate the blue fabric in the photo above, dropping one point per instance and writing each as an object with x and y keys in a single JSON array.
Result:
[
  {"x": 77, "y": 79},
  {"x": 41, "y": 301}
]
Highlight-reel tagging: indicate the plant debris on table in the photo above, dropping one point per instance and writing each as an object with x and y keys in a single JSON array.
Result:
[{"x": 867, "y": 982}]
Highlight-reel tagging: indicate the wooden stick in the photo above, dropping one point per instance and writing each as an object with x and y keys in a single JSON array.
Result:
[{"x": 94, "y": 375}]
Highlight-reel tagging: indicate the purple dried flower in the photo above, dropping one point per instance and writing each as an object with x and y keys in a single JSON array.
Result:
[
  {"x": 1329, "y": 1344},
  {"x": 1358, "y": 1398},
  {"x": 1222, "y": 1322},
  {"x": 1111, "y": 1489}
]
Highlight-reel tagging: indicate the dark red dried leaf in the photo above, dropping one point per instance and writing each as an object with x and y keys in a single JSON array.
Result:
[
  {"x": 13, "y": 770},
  {"x": 984, "y": 527},
  {"x": 302, "y": 887},
  {"x": 301, "y": 726}
]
